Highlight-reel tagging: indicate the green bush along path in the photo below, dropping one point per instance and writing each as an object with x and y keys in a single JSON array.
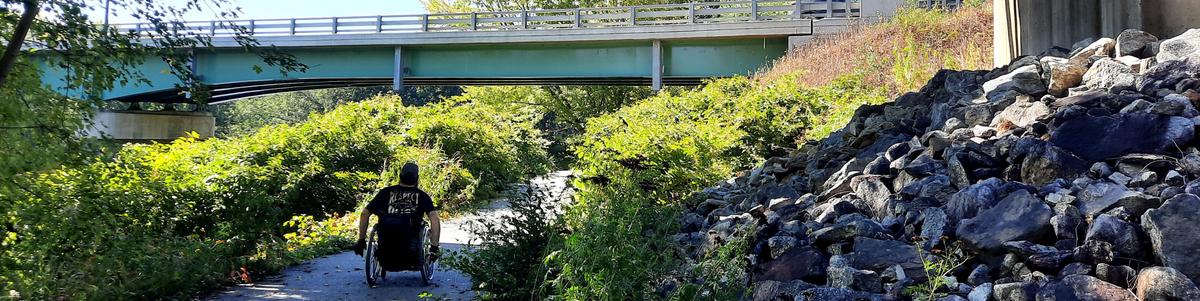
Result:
[{"x": 340, "y": 276}]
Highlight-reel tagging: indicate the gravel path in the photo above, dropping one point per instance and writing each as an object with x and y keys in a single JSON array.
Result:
[{"x": 340, "y": 276}]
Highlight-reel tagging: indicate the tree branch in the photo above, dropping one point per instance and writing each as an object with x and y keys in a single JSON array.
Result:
[{"x": 18, "y": 39}]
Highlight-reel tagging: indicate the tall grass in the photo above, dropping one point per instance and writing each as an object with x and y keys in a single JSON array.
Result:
[{"x": 898, "y": 55}]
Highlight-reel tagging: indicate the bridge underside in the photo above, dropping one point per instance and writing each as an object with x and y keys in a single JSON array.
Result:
[
  {"x": 232, "y": 91},
  {"x": 230, "y": 76}
]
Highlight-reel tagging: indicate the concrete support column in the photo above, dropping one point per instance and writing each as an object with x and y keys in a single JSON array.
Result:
[
  {"x": 398, "y": 71},
  {"x": 151, "y": 126},
  {"x": 656, "y": 65}
]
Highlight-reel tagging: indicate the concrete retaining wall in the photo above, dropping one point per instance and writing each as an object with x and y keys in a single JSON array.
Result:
[
  {"x": 151, "y": 126},
  {"x": 1031, "y": 26}
]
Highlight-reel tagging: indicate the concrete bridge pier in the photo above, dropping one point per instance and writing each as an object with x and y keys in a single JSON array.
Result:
[{"x": 144, "y": 126}]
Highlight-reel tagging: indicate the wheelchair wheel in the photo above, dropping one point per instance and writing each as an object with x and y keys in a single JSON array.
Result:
[
  {"x": 373, "y": 269},
  {"x": 426, "y": 259}
]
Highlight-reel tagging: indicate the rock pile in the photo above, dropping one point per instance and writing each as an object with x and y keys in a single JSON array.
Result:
[{"x": 1072, "y": 175}]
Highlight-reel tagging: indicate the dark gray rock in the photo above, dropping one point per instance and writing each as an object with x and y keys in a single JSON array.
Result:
[
  {"x": 1118, "y": 275},
  {"x": 1097, "y": 138},
  {"x": 933, "y": 226},
  {"x": 846, "y": 229},
  {"x": 1174, "y": 105},
  {"x": 1075, "y": 268},
  {"x": 781, "y": 244},
  {"x": 1122, "y": 235},
  {"x": 1019, "y": 216},
  {"x": 979, "y": 275},
  {"x": 1133, "y": 42},
  {"x": 1164, "y": 284},
  {"x": 874, "y": 192},
  {"x": 875, "y": 255},
  {"x": 841, "y": 275},
  {"x": 838, "y": 294},
  {"x": 1046, "y": 162},
  {"x": 802, "y": 263},
  {"x": 980, "y": 293},
  {"x": 1172, "y": 231},
  {"x": 968, "y": 202},
  {"x": 1098, "y": 196},
  {"x": 771, "y": 290},
  {"x": 1094, "y": 251},
  {"x": 1083, "y": 288}
]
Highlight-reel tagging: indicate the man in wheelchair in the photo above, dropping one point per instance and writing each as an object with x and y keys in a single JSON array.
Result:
[{"x": 401, "y": 210}]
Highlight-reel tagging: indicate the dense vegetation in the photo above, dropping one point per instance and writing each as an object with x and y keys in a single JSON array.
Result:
[
  {"x": 640, "y": 164},
  {"x": 88, "y": 223},
  {"x": 251, "y": 204}
]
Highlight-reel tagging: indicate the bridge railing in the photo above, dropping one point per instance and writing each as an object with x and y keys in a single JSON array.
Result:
[{"x": 604, "y": 17}]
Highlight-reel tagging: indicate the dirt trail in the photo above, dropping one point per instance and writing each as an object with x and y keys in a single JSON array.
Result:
[{"x": 340, "y": 276}]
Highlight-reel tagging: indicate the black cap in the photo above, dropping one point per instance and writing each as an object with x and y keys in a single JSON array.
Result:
[{"x": 409, "y": 174}]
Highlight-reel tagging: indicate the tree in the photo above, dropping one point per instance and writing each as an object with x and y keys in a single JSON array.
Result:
[
  {"x": 42, "y": 127},
  {"x": 246, "y": 116}
]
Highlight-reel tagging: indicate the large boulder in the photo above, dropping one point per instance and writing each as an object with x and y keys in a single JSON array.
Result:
[
  {"x": 1083, "y": 288},
  {"x": 1045, "y": 162},
  {"x": 1022, "y": 113},
  {"x": 968, "y": 202},
  {"x": 1102, "y": 47},
  {"x": 1096, "y": 138},
  {"x": 1164, "y": 284},
  {"x": 1026, "y": 80},
  {"x": 1181, "y": 47},
  {"x": 1019, "y": 216},
  {"x": 1098, "y": 196},
  {"x": 876, "y": 254},
  {"x": 1134, "y": 42},
  {"x": 1172, "y": 230},
  {"x": 772, "y": 290},
  {"x": 1107, "y": 73},
  {"x": 1064, "y": 76},
  {"x": 802, "y": 263},
  {"x": 1121, "y": 234}
]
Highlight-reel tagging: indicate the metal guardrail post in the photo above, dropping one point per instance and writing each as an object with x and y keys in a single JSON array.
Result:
[
  {"x": 524, "y": 19},
  {"x": 578, "y": 20},
  {"x": 692, "y": 13},
  {"x": 252, "y": 27},
  {"x": 474, "y": 21},
  {"x": 378, "y": 24},
  {"x": 335, "y": 25},
  {"x": 754, "y": 10},
  {"x": 292, "y": 27},
  {"x": 830, "y": 12},
  {"x": 632, "y": 16},
  {"x": 212, "y": 28},
  {"x": 425, "y": 22}
]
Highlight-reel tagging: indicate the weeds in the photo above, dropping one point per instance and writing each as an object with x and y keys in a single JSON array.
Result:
[{"x": 938, "y": 264}]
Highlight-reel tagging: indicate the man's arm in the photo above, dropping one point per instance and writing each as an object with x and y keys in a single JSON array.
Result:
[
  {"x": 435, "y": 228},
  {"x": 364, "y": 220}
]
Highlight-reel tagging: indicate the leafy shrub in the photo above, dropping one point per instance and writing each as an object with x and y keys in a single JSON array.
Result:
[
  {"x": 507, "y": 263},
  {"x": 226, "y": 210}
]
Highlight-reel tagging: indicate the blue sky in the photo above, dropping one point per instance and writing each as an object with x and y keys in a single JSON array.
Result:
[{"x": 261, "y": 9}]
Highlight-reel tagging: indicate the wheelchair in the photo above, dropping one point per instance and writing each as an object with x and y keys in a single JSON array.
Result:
[{"x": 402, "y": 254}]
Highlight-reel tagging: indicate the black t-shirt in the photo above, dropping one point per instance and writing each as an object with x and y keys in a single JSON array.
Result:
[{"x": 399, "y": 204}]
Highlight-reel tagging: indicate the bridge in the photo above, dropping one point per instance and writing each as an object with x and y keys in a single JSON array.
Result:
[{"x": 655, "y": 45}]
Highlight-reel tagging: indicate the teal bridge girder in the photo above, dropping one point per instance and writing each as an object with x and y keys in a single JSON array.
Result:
[{"x": 653, "y": 45}]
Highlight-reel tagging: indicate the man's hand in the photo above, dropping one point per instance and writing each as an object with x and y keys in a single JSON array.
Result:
[{"x": 359, "y": 246}]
